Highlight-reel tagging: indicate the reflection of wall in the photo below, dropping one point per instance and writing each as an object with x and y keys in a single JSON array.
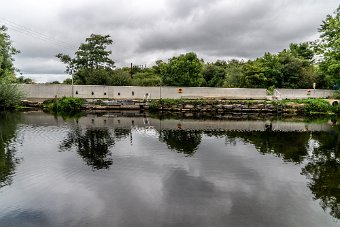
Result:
[{"x": 126, "y": 122}]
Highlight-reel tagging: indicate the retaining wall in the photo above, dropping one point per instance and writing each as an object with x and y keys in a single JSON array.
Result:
[{"x": 48, "y": 91}]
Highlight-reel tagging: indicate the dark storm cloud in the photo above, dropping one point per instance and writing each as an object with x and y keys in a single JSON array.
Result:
[
  {"x": 244, "y": 30},
  {"x": 144, "y": 31}
]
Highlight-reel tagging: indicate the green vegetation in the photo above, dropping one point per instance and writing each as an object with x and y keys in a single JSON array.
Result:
[
  {"x": 7, "y": 51},
  {"x": 328, "y": 46},
  {"x": 10, "y": 96},
  {"x": 184, "y": 70},
  {"x": 65, "y": 105}
]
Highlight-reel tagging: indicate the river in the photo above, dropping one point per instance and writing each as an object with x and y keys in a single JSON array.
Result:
[{"x": 136, "y": 169}]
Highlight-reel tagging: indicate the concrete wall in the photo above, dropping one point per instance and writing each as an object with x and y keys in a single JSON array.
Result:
[
  {"x": 48, "y": 91},
  {"x": 302, "y": 93}
]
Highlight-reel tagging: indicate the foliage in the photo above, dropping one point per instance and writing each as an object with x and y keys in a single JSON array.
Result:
[
  {"x": 213, "y": 75},
  {"x": 146, "y": 79},
  {"x": 7, "y": 51},
  {"x": 10, "y": 96},
  {"x": 184, "y": 70},
  {"x": 336, "y": 94},
  {"x": 67, "y": 81},
  {"x": 23, "y": 80},
  {"x": 64, "y": 105},
  {"x": 317, "y": 105},
  {"x": 91, "y": 60},
  {"x": 234, "y": 74},
  {"x": 328, "y": 46},
  {"x": 120, "y": 78}
]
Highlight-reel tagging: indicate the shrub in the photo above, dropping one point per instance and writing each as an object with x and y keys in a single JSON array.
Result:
[
  {"x": 316, "y": 106},
  {"x": 146, "y": 79},
  {"x": 64, "y": 105},
  {"x": 336, "y": 94},
  {"x": 10, "y": 96}
]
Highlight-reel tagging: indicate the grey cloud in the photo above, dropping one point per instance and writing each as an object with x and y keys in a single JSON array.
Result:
[
  {"x": 248, "y": 32},
  {"x": 146, "y": 30}
]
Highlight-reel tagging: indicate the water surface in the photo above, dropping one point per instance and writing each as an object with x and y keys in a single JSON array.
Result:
[{"x": 131, "y": 169}]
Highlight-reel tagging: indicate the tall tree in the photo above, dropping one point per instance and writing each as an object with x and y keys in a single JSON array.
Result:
[
  {"x": 90, "y": 57},
  {"x": 329, "y": 46},
  {"x": 184, "y": 70},
  {"x": 7, "y": 51}
]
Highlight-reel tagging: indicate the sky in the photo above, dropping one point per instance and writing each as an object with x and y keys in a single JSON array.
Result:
[{"x": 144, "y": 31}]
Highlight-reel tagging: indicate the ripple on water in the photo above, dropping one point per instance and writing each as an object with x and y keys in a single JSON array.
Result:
[{"x": 42, "y": 133}]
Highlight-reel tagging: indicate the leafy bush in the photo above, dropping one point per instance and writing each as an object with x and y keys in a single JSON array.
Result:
[
  {"x": 10, "y": 96},
  {"x": 120, "y": 78},
  {"x": 146, "y": 79},
  {"x": 336, "y": 94},
  {"x": 317, "y": 106},
  {"x": 64, "y": 105}
]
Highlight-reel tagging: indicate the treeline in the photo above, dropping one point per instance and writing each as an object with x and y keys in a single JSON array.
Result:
[{"x": 294, "y": 67}]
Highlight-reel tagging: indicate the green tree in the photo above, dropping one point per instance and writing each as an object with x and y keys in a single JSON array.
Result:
[
  {"x": 234, "y": 74},
  {"x": 184, "y": 70},
  {"x": 7, "y": 51},
  {"x": 23, "y": 80},
  {"x": 147, "y": 78},
  {"x": 91, "y": 58},
  {"x": 329, "y": 47},
  {"x": 302, "y": 50},
  {"x": 213, "y": 75},
  {"x": 120, "y": 78}
]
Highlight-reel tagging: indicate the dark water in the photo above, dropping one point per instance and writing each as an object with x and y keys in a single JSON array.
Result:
[{"x": 128, "y": 170}]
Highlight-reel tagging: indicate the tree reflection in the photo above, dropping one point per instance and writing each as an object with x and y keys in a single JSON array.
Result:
[
  {"x": 291, "y": 146},
  {"x": 323, "y": 162},
  {"x": 8, "y": 126},
  {"x": 93, "y": 144},
  {"x": 323, "y": 170},
  {"x": 183, "y": 141}
]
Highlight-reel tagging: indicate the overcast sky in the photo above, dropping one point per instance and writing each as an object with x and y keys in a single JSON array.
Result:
[{"x": 144, "y": 31}]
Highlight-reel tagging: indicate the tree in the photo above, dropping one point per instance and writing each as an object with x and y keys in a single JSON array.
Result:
[
  {"x": 7, "y": 51},
  {"x": 23, "y": 80},
  {"x": 213, "y": 75},
  {"x": 234, "y": 74},
  {"x": 302, "y": 50},
  {"x": 184, "y": 70},
  {"x": 329, "y": 46},
  {"x": 90, "y": 57}
]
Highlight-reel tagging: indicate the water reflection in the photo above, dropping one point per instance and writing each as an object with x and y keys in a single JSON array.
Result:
[
  {"x": 291, "y": 146},
  {"x": 182, "y": 141},
  {"x": 227, "y": 180},
  {"x": 323, "y": 171},
  {"x": 93, "y": 144},
  {"x": 8, "y": 161}
]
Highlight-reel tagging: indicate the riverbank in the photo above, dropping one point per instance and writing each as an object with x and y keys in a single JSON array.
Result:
[{"x": 284, "y": 107}]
